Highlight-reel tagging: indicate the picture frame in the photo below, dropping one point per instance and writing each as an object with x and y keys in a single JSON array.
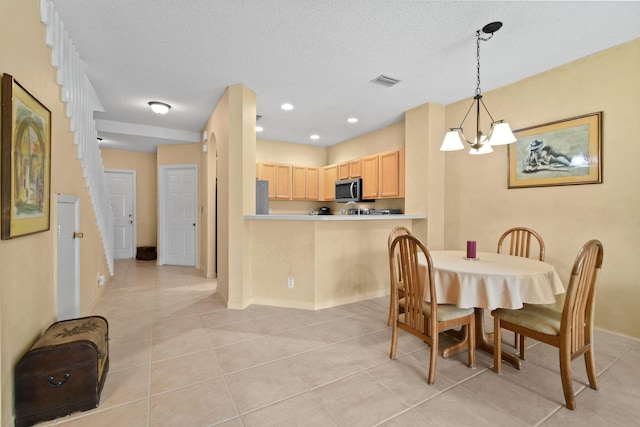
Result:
[
  {"x": 25, "y": 142},
  {"x": 564, "y": 152}
]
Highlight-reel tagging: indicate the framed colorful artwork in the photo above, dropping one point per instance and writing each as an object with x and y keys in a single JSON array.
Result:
[
  {"x": 565, "y": 152},
  {"x": 26, "y": 162}
]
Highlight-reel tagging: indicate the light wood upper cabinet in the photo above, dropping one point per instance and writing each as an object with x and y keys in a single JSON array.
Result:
[
  {"x": 343, "y": 171},
  {"x": 283, "y": 187},
  {"x": 299, "y": 183},
  {"x": 329, "y": 178},
  {"x": 305, "y": 183},
  {"x": 383, "y": 175},
  {"x": 355, "y": 168},
  {"x": 370, "y": 177},
  {"x": 350, "y": 169},
  {"x": 279, "y": 177},
  {"x": 390, "y": 174},
  {"x": 313, "y": 183},
  {"x": 268, "y": 171}
]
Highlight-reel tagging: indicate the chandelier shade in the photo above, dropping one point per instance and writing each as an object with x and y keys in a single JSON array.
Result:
[
  {"x": 500, "y": 132},
  {"x": 453, "y": 140}
]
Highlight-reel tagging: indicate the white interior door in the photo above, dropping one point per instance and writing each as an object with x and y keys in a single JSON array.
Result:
[
  {"x": 121, "y": 184},
  {"x": 68, "y": 294},
  {"x": 179, "y": 215}
]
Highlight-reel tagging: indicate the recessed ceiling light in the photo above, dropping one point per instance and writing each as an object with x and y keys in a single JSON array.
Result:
[
  {"x": 287, "y": 107},
  {"x": 314, "y": 137},
  {"x": 352, "y": 120},
  {"x": 259, "y": 129},
  {"x": 159, "y": 107}
]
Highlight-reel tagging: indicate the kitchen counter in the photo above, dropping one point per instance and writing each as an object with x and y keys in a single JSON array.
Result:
[
  {"x": 320, "y": 261},
  {"x": 307, "y": 217}
]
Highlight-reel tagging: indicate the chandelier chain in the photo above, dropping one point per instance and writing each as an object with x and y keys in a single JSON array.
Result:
[{"x": 478, "y": 91}]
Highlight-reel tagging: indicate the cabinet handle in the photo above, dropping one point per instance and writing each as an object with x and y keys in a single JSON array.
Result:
[{"x": 53, "y": 383}]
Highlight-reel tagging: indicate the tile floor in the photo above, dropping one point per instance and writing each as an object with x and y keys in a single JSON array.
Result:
[{"x": 180, "y": 358}]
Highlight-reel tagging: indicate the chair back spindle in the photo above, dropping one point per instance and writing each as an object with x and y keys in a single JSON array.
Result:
[
  {"x": 577, "y": 314},
  {"x": 519, "y": 240}
]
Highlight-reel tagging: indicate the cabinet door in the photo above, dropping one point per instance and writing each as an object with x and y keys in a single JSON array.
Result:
[
  {"x": 370, "y": 175},
  {"x": 268, "y": 171},
  {"x": 389, "y": 178},
  {"x": 329, "y": 178},
  {"x": 355, "y": 168},
  {"x": 313, "y": 183},
  {"x": 343, "y": 171},
  {"x": 283, "y": 185},
  {"x": 299, "y": 183}
]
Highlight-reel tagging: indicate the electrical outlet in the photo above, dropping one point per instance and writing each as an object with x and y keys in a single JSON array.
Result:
[{"x": 290, "y": 282}]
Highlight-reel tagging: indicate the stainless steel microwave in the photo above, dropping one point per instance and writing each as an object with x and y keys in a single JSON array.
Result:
[{"x": 349, "y": 190}]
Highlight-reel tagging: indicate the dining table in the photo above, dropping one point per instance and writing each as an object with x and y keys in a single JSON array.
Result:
[{"x": 489, "y": 281}]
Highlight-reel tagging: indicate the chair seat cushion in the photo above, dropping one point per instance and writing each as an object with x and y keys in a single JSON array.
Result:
[
  {"x": 543, "y": 319},
  {"x": 445, "y": 311}
]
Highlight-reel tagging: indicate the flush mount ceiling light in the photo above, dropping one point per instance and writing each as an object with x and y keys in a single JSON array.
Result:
[
  {"x": 314, "y": 137},
  {"x": 259, "y": 128},
  {"x": 499, "y": 133},
  {"x": 352, "y": 120},
  {"x": 159, "y": 107},
  {"x": 287, "y": 107}
]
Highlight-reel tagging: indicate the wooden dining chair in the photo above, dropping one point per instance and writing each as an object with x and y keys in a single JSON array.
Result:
[
  {"x": 518, "y": 240},
  {"x": 397, "y": 280},
  {"x": 571, "y": 330},
  {"x": 423, "y": 319}
]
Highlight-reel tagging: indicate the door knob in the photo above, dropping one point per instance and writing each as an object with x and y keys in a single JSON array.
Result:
[{"x": 78, "y": 235}]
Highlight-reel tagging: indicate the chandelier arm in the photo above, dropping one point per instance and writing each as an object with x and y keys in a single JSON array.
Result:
[
  {"x": 468, "y": 111},
  {"x": 487, "y": 110}
]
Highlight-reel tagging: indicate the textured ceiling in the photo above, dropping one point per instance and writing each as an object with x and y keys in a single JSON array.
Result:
[{"x": 319, "y": 55}]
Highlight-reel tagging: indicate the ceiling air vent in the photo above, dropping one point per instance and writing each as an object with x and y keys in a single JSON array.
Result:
[{"x": 385, "y": 80}]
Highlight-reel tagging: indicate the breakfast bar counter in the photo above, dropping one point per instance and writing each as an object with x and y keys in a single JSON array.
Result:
[
  {"x": 303, "y": 217},
  {"x": 319, "y": 261}
]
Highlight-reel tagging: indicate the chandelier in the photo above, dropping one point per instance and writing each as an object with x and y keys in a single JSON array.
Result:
[{"x": 499, "y": 133}]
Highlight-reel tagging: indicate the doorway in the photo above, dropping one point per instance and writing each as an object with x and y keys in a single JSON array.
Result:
[
  {"x": 178, "y": 215},
  {"x": 122, "y": 190},
  {"x": 68, "y": 295}
]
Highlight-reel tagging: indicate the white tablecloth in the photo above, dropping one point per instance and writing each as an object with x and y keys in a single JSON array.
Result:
[{"x": 493, "y": 281}]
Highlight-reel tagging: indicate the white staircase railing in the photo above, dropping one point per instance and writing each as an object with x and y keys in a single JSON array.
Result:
[{"x": 81, "y": 100}]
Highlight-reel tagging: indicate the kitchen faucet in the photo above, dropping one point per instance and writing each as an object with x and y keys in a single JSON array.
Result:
[{"x": 344, "y": 210}]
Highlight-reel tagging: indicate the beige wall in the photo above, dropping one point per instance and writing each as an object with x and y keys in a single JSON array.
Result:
[
  {"x": 388, "y": 138},
  {"x": 28, "y": 264},
  {"x": 294, "y": 154},
  {"x": 146, "y": 188},
  {"x": 424, "y": 164},
  {"x": 232, "y": 126},
  {"x": 179, "y": 154},
  {"x": 479, "y": 206}
]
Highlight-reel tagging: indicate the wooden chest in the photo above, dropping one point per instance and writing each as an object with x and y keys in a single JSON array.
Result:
[{"x": 63, "y": 372}]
